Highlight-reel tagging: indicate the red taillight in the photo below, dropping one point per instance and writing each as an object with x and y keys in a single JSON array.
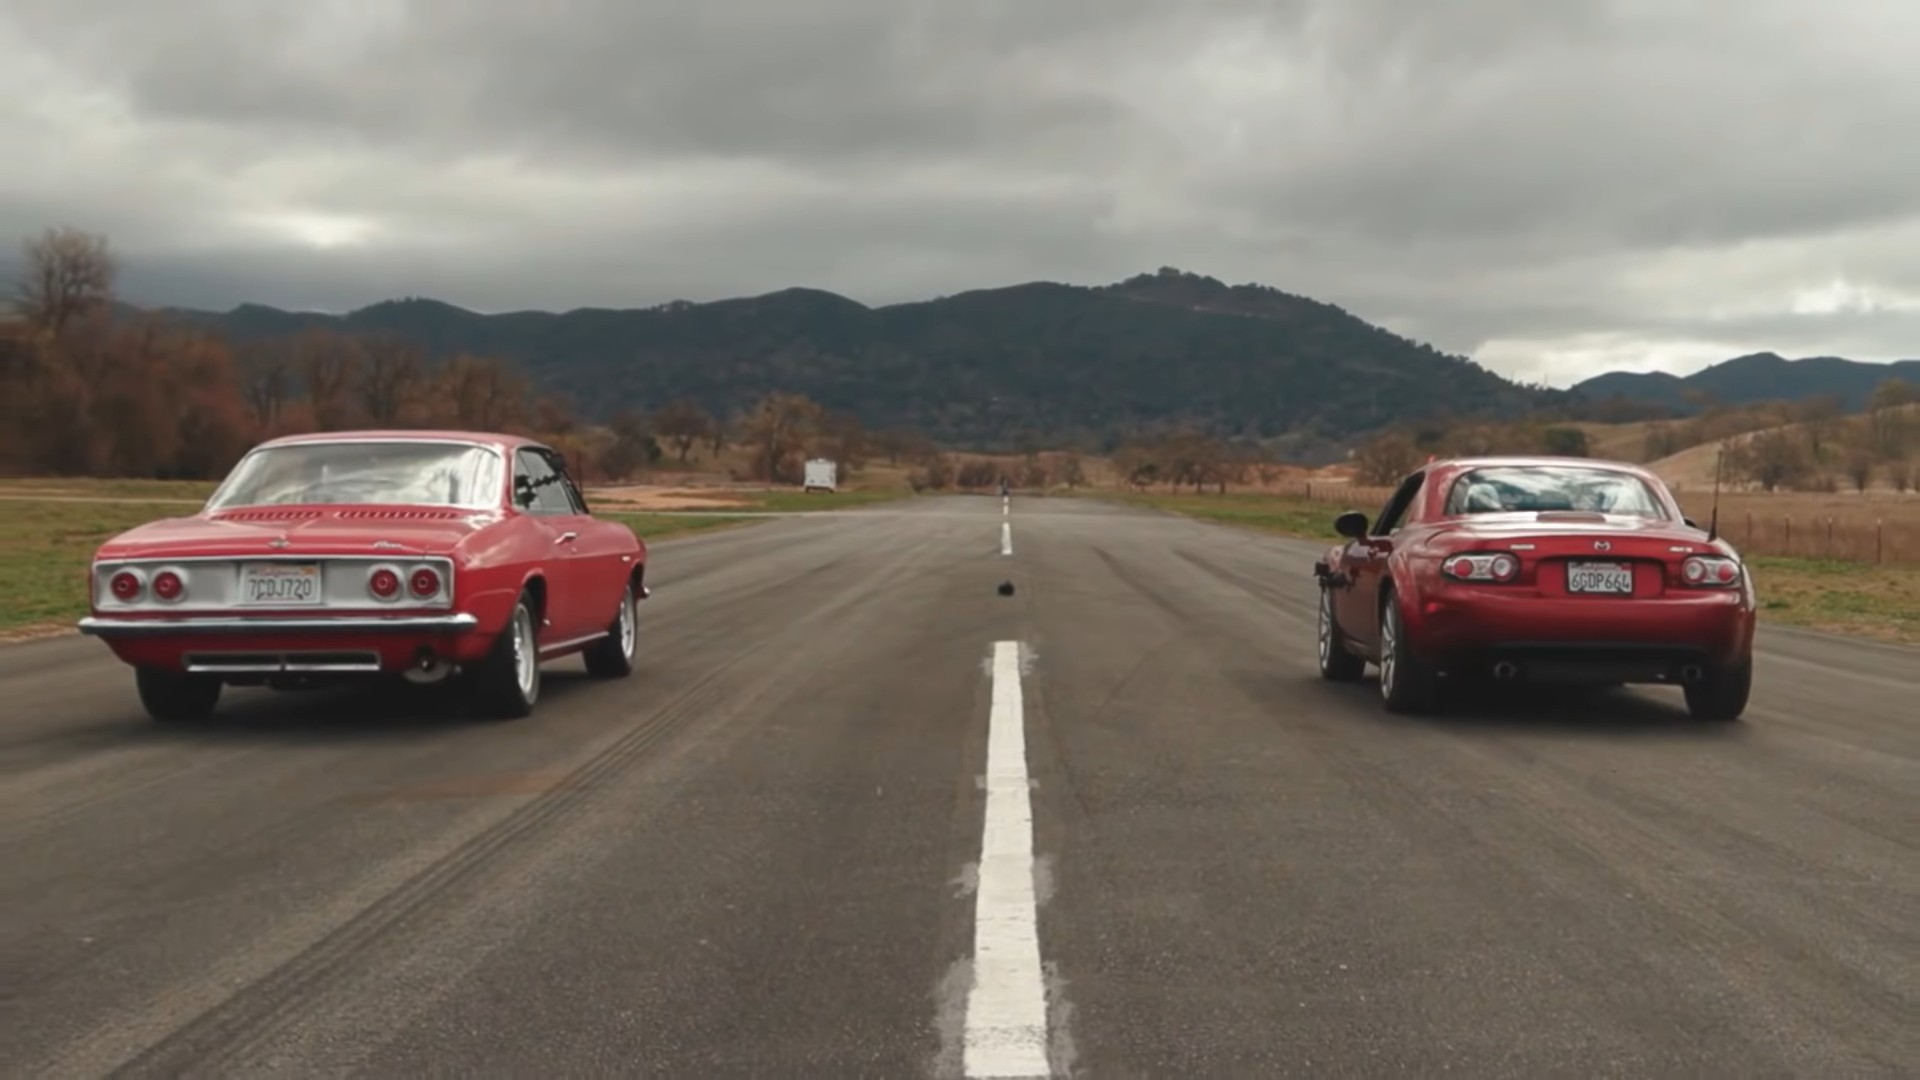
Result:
[
  {"x": 383, "y": 583},
  {"x": 125, "y": 586},
  {"x": 168, "y": 585},
  {"x": 1710, "y": 570},
  {"x": 1500, "y": 567},
  {"x": 425, "y": 582}
]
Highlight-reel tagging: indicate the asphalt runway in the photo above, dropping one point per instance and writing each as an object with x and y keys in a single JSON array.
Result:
[{"x": 857, "y": 813}]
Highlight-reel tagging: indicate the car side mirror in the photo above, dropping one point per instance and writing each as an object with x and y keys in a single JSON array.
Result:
[
  {"x": 1352, "y": 525},
  {"x": 523, "y": 494}
]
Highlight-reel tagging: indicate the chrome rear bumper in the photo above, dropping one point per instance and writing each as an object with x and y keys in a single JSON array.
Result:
[{"x": 265, "y": 624}]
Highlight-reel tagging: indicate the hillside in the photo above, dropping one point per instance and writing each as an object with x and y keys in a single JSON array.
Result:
[
  {"x": 1039, "y": 363},
  {"x": 1746, "y": 380},
  {"x": 1693, "y": 467}
]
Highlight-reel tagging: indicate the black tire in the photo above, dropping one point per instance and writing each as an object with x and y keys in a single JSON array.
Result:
[
  {"x": 1723, "y": 694},
  {"x": 175, "y": 697},
  {"x": 1336, "y": 663},
  {"x": 506, "y": 685},
  {"x": 612, "y": 656},
  {"x": 1406, "y": 683}
]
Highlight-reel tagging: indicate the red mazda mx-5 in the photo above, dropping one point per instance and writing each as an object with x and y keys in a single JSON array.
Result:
[
  {"x": 367, "y": 554},
  {"x": 1536, "y": 568}
]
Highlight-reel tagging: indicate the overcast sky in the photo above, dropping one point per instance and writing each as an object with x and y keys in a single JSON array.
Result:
[{"x": 1554, "y": 187}]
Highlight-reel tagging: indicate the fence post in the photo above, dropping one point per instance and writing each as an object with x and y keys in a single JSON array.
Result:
[
  {"x": 1829, "y": 536},
  {"x": 1879, "y": 537}
]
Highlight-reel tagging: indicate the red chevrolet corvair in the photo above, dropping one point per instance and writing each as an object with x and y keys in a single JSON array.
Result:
[
  {"x": 1536, "y": 568},
  {"x": 421, "y": 554}
]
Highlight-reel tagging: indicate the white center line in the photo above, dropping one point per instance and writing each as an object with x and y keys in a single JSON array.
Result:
[
  {"x": 1007, "y": 1005},
  {"x": 1006, "y": 538}
]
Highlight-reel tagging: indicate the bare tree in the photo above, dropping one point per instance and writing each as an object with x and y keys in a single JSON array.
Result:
[
  {"x": 779, "y": 429},
  {"x": 69, "y": 274},
  {"x": 392, "y": 379},
  {"x": 685, "y": 425},
  {"x": 1383, "y": 461}
]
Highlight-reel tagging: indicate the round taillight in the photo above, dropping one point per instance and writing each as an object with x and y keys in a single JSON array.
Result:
[
  {"x": 1696, "y": 570},
  {"x": 424, "y": 582},
  {"x": 125, "y": 585},
  {"x": 1504, "y": 567},
  {"x": 1727, "y": 572},
  {"x": 1463, "y": 568},
  {"x": 167, "y": 585},
  {"x": 383, "y": 583}
]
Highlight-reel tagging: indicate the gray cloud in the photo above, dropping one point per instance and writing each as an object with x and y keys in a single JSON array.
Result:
[{"x": 1551, "y": 187}]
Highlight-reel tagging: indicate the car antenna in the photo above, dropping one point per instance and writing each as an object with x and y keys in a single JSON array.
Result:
[{"x": 1713, "y": 517}]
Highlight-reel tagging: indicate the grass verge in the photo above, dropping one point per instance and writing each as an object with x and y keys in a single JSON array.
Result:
[
  {"x": 46, "y": 546},
  {"x": 1840, "y": 597},
  {"x": 1881, "y": 602},
  {"x": 93, "y": 488}
]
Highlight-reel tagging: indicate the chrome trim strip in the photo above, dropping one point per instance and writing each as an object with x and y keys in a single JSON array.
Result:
[
  {"x": 267, "y": 624},
  {"x": 558, "y": 645}
]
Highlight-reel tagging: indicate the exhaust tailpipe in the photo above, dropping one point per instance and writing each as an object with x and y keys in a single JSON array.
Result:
[
  {"x": 1505, "y": 671},
  {"x": 1693, "y": 673},
  {"x": 427, "y": 668}
]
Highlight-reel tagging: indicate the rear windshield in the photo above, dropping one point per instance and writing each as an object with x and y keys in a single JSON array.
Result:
[
  {"x": 416, "y": 472},
  {"x": 1505, "y": 489}
]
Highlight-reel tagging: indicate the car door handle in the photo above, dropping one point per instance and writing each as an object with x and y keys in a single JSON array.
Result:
[{"x": 567, "y": 538}]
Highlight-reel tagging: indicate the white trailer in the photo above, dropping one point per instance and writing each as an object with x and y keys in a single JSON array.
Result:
[{"x": 822, "y": 475}]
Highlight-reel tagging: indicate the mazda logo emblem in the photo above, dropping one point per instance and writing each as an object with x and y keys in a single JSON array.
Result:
[{"x": 1602, "y": 545}]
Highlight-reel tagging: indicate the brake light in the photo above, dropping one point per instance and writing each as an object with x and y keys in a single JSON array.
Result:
[
  {"x": 1499, "y": 567},
  {"x": 383, "y": 583},
  {"x": 169, "y": 586},
  {"x": 1710, "y": 571},
  {"x": 126, "y": 586},
  {"x": 425, "y": 582}
]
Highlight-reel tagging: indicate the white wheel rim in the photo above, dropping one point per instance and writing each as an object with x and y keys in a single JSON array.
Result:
[
  {"x": 626, "y": 623},
  {"x": 1326, "y": 627},
  {"x": 526, "y": 659},
  {"x": 1389, "y": 640}
]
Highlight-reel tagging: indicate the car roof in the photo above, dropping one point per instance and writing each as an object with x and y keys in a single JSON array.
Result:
[
  {"x": 484, "y": 438},
  {"x": 1461, "y": 464}
]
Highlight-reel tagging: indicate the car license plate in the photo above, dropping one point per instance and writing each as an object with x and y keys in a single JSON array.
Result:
[
  {"x": 1612, "y": 579},
  {"x": 280, "y": 584}
]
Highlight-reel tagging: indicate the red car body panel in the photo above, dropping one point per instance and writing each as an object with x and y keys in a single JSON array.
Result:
[
  {"x": 1461, "y": 625},
  {"x": 577, "y": 564}
]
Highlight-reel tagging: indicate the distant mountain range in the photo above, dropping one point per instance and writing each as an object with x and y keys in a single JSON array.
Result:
[
  {"x": 1039, "y": 363},
  {"x": 1044, "y": 364},
  {"x": 1746, "y": 380}
]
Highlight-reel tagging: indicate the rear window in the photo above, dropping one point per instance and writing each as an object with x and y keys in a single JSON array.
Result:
[
  {"x": 409, "y": 471},
  {"x": 1510, "y": 489}
]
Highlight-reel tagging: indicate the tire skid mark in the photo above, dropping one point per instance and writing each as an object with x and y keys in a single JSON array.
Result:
[
  {"x": 258, "y": 1010},
  {"x": 262, "y": 1008},
  {"x": 1294, "y": 605}
]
